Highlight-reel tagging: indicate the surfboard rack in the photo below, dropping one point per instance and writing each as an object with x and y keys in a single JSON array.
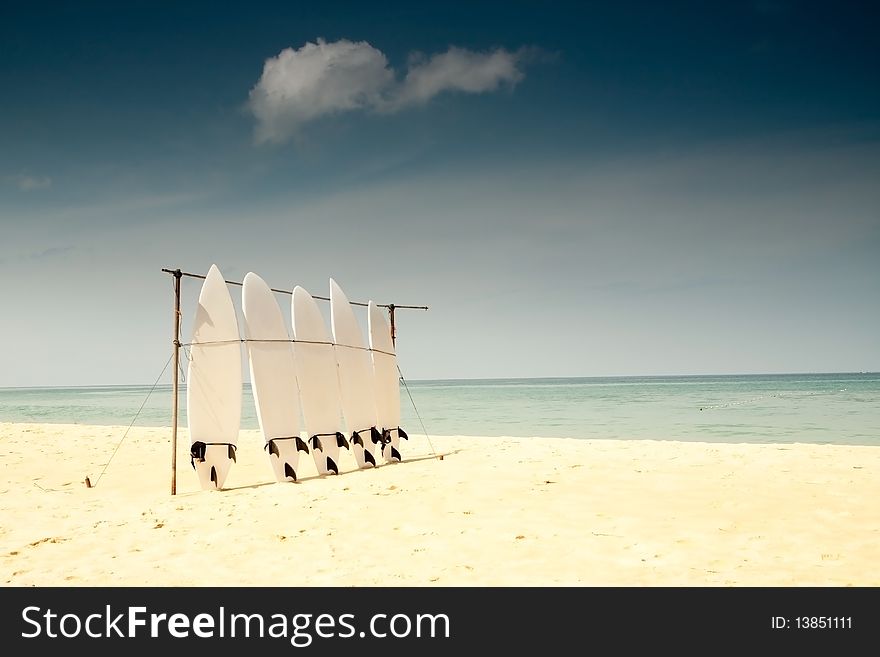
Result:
[{"x": 178, "y": 275}]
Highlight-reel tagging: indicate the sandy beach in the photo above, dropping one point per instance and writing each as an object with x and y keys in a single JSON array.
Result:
[{"x": 491, "y": 512}]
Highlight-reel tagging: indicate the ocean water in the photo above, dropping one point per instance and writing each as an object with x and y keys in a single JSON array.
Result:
[{"x": 779, "y": 408}]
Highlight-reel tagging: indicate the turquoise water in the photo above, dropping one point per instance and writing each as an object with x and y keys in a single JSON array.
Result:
[{"x": 781, "y": 408}]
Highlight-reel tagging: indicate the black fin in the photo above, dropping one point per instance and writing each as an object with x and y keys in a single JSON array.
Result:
[
  {"x": 368, "y": 457},
  {"x": 386, "y": 436},
  {"x": 341, "y": 441},
  {"x": 232, "y": 452},
  {"x": 356, "y": 439},
  {"x": 395, "y": 454},
  {"x": 316, "y": 443},
  {"x": 332, "y": 466},
  {"x": 289, "y": 472},
  {"x": 214, "y": 475},
  {"x": 375, "y": 435},
  {"x": 272, "y": 448},
  {"x": 402, "y": 433},
  {"x": 301, "y": 446}
]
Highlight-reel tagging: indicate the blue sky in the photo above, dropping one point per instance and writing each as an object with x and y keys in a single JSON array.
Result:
[{"x": 574, "y": 189}]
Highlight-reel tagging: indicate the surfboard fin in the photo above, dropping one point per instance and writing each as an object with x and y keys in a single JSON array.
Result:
[
  {"x": 375, "y": 435},
  {"x": 368, "y": 458},
  {"x": 331, "y": 466},
  {"x": 402, "y": 433},
  {"x": 395, "y": 454},
  {"x": 301, "y": 446},
  {"x": 341, "y": 441},
  {"x": 214, "y": 476},
  {"x": 289, "y": 472},
  {"x": 232, "y": 453},
  {"x": 316, "y": 443},
  {"x": 356, "y": 439},
  {"x": 272, "y": 448}
]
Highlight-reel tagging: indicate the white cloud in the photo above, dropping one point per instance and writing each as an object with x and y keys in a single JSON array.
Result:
[
  {"x": 457, "y": 69},
  {"x": 29, "y": 183},
  {"x": 319, "y": 79}
]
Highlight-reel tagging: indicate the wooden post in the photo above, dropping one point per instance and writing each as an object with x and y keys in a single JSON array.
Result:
[
  {"x": 174, "y": 376},
  {"x": 391, "y": 321}
]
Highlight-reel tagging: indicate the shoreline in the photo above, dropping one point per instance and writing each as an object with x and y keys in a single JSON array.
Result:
[{"x": 492, "y": 512}]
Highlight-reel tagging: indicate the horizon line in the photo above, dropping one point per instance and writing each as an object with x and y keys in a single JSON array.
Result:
[{"x": 494, "y": 378}]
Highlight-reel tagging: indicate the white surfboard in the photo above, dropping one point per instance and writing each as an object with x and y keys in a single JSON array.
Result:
[
  {"x": 318, "y": 383},
  {"x": 387, "y": 383},
  {"x": 355, "y": 379},
  {"x": 214, "y": 385},
  {"x": 273, "y": 377}
]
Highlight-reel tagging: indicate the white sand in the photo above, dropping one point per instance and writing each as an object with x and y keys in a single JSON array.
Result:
[{"x": 493, "y": 511}]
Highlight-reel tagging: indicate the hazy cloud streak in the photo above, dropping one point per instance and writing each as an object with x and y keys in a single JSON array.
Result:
[
  {"x": 320, "y": 79},
  {"x": 28, "y": 183},
  {"x": 51, "y": 252}
]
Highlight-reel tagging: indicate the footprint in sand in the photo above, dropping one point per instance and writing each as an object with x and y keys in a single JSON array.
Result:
[{"x": 50, "y": 539}]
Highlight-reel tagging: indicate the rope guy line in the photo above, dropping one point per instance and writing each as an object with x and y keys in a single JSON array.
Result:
[
  {"x": 134, "y": 419},
  {"x": 409, "y": 394}
]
